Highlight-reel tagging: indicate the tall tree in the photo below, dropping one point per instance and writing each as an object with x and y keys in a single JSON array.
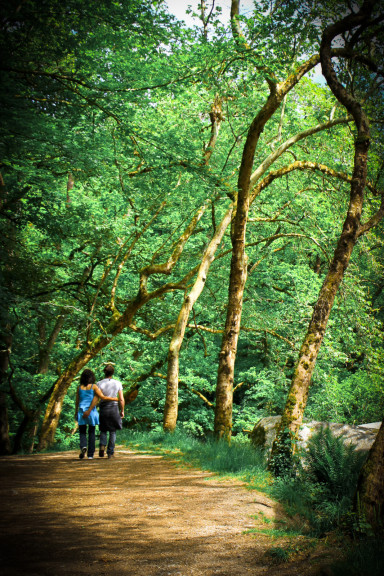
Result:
[
  {"x": 352, "y": 230},
  {"x": 238, "y": 272}
]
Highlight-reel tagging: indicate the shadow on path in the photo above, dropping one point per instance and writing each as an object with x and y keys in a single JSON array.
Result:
[{"x": 134, "y": 515}]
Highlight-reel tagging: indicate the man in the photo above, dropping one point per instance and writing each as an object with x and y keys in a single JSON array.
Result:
[{"x": 110, "y": 413}]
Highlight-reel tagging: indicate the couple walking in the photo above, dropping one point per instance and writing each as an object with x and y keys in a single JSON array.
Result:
[{"x": 110, "y": 392}]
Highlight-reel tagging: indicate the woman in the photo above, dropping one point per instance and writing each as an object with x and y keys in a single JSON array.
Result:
[{"x": 84, "y": 396}]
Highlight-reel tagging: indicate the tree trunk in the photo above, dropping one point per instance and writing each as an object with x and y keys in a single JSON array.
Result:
[
  {"x": 60, "y": 389},
  {"x": 46, "y": 347},
  {"x": 171, "y": 402},
  {"x": 6, "y": 342},
  {"x": 170, "y": 413},
  {"x": 299, "y": 389},
  {"x": 369, "y": 498},
  {"x": 238, "y": 273},
  {"x": 116, "y": 325},
  {"x": 284, "y": 443}
]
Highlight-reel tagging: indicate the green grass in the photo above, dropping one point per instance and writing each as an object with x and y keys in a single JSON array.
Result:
[
  {"x": 275, "y": 533},
  {"x": 238, "y": 459},
  {"x": 279, "y": 555}
]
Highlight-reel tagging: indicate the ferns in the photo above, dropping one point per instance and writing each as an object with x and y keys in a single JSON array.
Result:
[
  {"x": 332, "y": 464},
  {"x": 324, "y": 481}
]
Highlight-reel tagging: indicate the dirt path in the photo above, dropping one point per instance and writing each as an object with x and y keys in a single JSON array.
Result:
[{"x": 135, "y": 515}]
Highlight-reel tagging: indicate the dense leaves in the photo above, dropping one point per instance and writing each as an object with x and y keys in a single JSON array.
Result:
[{"x": 107, "y": 154}]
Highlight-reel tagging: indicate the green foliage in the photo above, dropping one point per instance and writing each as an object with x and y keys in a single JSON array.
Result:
[
  {"x": 332, "y": 464},
  {"x": 322, "y": 486},
  {"x": 364, "y": 558},
  {"x": 119, "y": 96}
]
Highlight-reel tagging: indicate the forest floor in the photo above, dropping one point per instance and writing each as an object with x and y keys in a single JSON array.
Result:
[{"x": 140, "y": 515}]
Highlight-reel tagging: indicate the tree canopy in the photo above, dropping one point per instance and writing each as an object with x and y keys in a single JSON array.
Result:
[{"x": 145, "y": 167}]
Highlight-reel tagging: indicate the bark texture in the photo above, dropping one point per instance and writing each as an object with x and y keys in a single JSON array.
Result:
[
  {"x": 171, "y": 401},
  {"x": 238, "y": 272},
  {"x": 369, "y": 499},
  {"x": 298, "y": 394}
]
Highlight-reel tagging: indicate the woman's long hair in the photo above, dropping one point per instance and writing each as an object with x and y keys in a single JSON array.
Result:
[{"x": 87, "y": 377}]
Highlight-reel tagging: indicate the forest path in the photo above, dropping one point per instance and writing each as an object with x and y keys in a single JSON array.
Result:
[{"x": 135, "y": 515}]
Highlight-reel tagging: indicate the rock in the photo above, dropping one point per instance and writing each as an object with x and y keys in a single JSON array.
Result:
[
  {"x": 264, "y": 432},
  {"x": 362, "y": 436}
]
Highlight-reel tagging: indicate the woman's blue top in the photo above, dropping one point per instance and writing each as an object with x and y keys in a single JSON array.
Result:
[{"x": 85, "y": 399}]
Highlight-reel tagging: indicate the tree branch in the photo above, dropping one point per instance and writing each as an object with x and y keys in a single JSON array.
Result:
[
  {"x": 186, "y": 387},
  {"x": 167, "y": 267}
]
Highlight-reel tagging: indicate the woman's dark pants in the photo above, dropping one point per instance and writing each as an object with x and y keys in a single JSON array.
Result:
[{"x": 91, "y": 438}]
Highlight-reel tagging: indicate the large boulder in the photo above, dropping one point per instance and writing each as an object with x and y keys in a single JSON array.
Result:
[{"x": 362, "y": 436}]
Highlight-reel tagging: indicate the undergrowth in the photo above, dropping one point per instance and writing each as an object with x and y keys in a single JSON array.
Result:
[
  {"x": 364, "y": 558},
  {"x": 322, "y": 483}
]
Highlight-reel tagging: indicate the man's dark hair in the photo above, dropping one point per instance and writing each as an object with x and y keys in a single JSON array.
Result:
[
  {"x": 87, "y": 377},
  {"x": 109, "y": 370}
]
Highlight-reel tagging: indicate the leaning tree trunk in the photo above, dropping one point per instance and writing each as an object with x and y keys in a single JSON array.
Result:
[
  {"x": 238, "y": 273},
  {"x": 60, "y": 389},
  {"x": 298, "y": 393},
  {"x": 369, "y": 498},
  {"x": 172, "y": 392},
  {"x": 116, "y": 325},
  {"x": 55, "y": 404},
  {"x": 292, "y": 417},
  {"x": 171, "y": 401}
]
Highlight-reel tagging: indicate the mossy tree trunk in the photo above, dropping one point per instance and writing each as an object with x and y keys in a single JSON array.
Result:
[
  {"x": 116, "y": 325},
  {"x": 171, "y": 401},
  {"x": 171, "y": 406},
  {"x": 292, "y": 417},
  {"x": 369, "y": 498},
  {"x": 238, "y": 270}
]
